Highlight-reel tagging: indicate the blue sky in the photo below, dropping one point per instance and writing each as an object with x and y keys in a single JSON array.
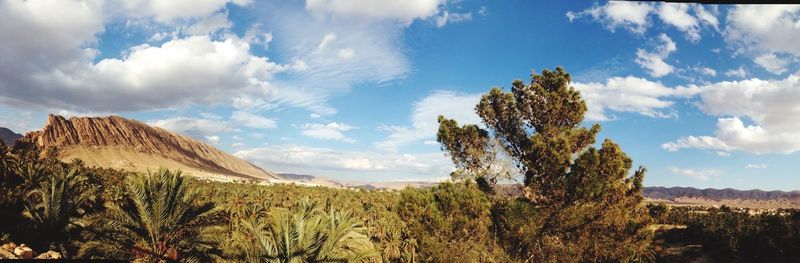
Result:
[{"x": 702, "y": 95}]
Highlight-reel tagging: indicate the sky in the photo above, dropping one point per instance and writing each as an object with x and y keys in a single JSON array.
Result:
[{"x": 701, "y": 95}]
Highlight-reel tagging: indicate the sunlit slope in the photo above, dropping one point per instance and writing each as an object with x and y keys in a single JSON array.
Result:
[{"x": 116, "y": 142}]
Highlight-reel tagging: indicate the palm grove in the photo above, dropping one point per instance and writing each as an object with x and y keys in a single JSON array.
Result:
[{"x": 575, "y": 203}]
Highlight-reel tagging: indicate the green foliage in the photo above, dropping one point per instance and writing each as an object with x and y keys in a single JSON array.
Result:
[
  {"x": 451, "y": 219},
  {"x": 736, "y": 235},
  {"x": 659, "y": 212},
  {"x": 587, "y": 207},
  {"x": 54, "y": 206},
  {"x": 305, "y": 233},
  {"x": 160, "y": 220},
  {"x": 252, "y": 209}
]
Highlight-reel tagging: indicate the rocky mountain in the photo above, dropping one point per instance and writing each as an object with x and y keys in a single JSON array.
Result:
[
  {"x": 8, "y": 137},
  {"x": 116, "y": 142}
]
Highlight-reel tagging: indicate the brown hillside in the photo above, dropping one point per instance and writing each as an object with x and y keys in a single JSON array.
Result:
[{"x": 116, "y": 142}]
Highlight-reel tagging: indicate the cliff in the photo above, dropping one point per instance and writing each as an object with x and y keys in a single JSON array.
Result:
[{"x": 116, "y": 142}]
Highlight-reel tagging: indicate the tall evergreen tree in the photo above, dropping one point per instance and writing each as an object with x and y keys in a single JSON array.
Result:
[{"x": 578, "y": 201}]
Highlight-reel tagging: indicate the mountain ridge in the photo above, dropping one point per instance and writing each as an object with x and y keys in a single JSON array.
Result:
[
  {"x": 660, "y": 192},
  {"x": 8, "y": 136},
  {"x": 117, "y": 142}
]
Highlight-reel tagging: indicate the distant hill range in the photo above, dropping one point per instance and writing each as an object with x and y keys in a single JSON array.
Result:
[
  {"x": 671, "y": 193},
  {"x": 8, "y": 137},
  {"x": 116, "y": 142},
  {"x": 755, "y": 199}
]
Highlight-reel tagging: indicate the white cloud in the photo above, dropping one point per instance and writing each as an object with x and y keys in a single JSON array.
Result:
[
  {"x": 331, "y": 131},
  {"x": 654, "y": 61},
  {"x": 449, "y": 18},
  {"x": 632, "y": 16},
  {"x": 331, "y": 55},
  {"x": 756, "y": 166},
  {"x": 211, "y": 124},
  {"x": 772, "y": 63},
  {"x": 771, "y": 105},
  {"x": 764, "y": 28},
  {"x": 703, "y": 174},
  {"x": 739, "y": 72},
  {"x": 314, "y": 116},
  {"x": 166, "y": 11},
  {"x": 699, "y": 142},
  {"x": 256, "y": 37},
  {"x": 630, "y": 94},
  {"x": 209, "y": 115},
  {"x": 210, "y": 24},
  {"x": 707, "y": 16},
  {"x": 405, "y": 11},
  {"x": 43, "y": 37},
  {"x": 252, "y": 120},
  {"x": 346, "y": 53},
  {"x": 180, "y": 72},
  {"x": 483, "y": 11},
  {"x": 705, "y": 71},
  {"x": 52, "y": 63},
  {"x": 194, "y": 127},
  {"x": 425, "y": 113},
  {"x": 326, "y": 40},
  {"x": 677, "y": 15},
  {"x": 213, "y": 139},
  {"x": 360, "y": 165}
]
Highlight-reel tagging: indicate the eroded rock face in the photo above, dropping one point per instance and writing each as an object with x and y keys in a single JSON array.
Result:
[{"x": 136, "y": 136}]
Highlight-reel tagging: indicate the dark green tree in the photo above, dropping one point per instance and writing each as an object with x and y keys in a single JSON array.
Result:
[
  {"x": 585, "y": 206},
  {"x": 451, "y": 220}
]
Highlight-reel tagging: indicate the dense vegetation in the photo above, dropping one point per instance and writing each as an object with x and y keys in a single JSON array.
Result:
[
  {"x": 730, "y": 234},
  {"x": 574, "y": 203}
]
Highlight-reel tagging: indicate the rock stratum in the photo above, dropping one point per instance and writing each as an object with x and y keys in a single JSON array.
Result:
[{"x": 116, "y": 142}]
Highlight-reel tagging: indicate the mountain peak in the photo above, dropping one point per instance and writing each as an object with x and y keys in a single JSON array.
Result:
[{"x": 8, "y": 136}]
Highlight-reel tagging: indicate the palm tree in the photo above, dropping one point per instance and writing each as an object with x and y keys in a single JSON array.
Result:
[
  {"x": 7, "y": 161},
  {"x": 160, "y": 220},
  {"x": 55, "y": 204},
  {"x": 304, "y": 234},
  {"x": 8, "y": 178}
]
